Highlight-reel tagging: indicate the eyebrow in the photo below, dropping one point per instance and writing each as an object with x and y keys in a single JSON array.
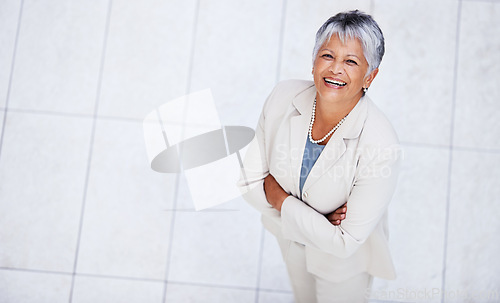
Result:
[{"x": 348, "y": 55}]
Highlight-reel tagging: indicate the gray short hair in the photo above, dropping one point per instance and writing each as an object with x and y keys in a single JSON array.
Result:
[{"x": 354, "y": 24}]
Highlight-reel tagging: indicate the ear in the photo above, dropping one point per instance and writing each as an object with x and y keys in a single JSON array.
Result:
[{"x": 368, "y": 80}]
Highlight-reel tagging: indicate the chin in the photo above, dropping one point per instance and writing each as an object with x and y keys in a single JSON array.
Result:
[
  {"x": 339, "y": 97},
  {"x": 333, "y": 96}
]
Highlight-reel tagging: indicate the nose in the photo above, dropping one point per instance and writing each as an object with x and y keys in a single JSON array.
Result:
[{"x": 336, "y": 67}]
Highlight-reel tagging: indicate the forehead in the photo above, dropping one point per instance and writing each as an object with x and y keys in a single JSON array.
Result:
[{"x": 350, "y": 45}]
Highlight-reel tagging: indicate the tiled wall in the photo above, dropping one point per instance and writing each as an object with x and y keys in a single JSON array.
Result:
[{"x": 84, "y": 219}]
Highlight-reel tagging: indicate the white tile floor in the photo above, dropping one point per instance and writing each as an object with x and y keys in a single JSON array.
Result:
[
  {"x": 238, "y": 62},
  {"x": 58, "y": 56},
  {"x": 92, "y": 289},
  {"x": 417, "y": 221},
  {"x": 9, "y": 16},
  {"x": 273, "y": 275},
  {"x": 216, "y": 248},
  {"x": 131, "y": 196},
  {"x": 474, "y": 210},
  {"x": 84, "y": 219},
  {"x": 147, "y": 55},
  {"x": 476, "y": 122},
  {"x": 420, "y": 37},
  {"x": 42, "y": 175}
]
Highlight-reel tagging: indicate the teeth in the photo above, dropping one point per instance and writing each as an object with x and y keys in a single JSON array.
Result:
[{"x": 335, "y": 82}]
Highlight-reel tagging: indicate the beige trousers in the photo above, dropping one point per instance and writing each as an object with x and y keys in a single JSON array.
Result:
[{"x": 309, "y": 288}]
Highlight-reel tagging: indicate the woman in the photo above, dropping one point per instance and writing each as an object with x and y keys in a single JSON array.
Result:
[{"x": 323, "y": 167}]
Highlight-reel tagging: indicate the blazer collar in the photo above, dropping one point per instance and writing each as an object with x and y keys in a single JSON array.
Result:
[
  {"x": 352, "y": 126},
  {"x": 334, "y": 149},
  {"x": 303, "y": 101}
]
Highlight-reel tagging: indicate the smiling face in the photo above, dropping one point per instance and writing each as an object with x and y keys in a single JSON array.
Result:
[{"x": 339, "y": 71}]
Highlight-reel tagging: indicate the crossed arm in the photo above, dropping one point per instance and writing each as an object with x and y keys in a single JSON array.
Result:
[
  {"x": 368, "y": 199},
  {"x": 276, "y": 195}
]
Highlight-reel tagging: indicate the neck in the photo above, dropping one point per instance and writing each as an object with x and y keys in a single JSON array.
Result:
[{"x": 331, "y": 112}]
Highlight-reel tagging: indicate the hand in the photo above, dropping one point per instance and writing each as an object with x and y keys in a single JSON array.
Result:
[
  {"x": 338, "y": 215},
  {"x": 274, "y": 192}
]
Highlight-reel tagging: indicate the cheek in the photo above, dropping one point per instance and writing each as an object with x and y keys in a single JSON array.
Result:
[
  {"x": 316, "y": 73},
  {"x": 356, "y": 77},
  {"x": 320, "y": 65}
]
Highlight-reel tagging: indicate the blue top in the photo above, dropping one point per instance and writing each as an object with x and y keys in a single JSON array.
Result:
[{"x": 311, "y": 154}]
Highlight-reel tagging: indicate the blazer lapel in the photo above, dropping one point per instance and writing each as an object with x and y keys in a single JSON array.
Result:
[
  {"x": 299, "y": 127},
  {"x": 336, "y": 147}
]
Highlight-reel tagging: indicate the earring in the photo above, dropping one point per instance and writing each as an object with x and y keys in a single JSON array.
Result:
[{"x": 365, "y": 89}]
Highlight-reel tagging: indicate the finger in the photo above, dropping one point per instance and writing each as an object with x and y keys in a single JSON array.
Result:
[
  {"x": 344, "y": 208},
  {"x": 340, "y": 211},
  {"x": 335, "y": 222},
  {"x": 335, "y": 217}
]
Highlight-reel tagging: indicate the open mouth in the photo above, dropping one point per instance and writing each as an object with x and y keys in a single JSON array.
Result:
[{"x": 335, "y": 82}]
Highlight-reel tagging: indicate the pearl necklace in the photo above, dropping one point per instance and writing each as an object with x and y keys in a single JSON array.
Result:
[{"x": 312, "y": 122}]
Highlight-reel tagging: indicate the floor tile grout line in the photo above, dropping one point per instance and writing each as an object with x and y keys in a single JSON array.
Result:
[
  {"x": 281, "y": 39},
  {"x": 450, "y": 159},
  {"x": 50, "y": 113},
  {"x": 278, "y": 75},
  {"x": 99, "y": 276},
  {"x": 137, "y": 120},
  {"x": 152, "y": 280},
  {"x": 92, "y": 116},
  {"x": 170, "y": 239},
  {"x": 179, "y": 175},
  {"x": 248, "y": 288},
  {"x": 11, "y": 74},
  {"x": 424, "y": 145},
  {"x": 193, "y": 46},
  {"x": 389, "y": 301},
  {"x": 484, "y": 1},
  {"x": 91, "y": 145},
  {"x": 448, "y": 147},
  {"x": 478, "y": 150},
  {"x": 279, "y": 291},
  {"x": 40, "y": 271},
  {"x": 259, "y": 263},
  {"x": 88, "y": 275}
]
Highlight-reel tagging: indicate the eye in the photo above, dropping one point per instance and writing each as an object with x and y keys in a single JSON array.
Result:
[
  {"x": 352, "y": 62},
  {"x": 327, "y": 56}
]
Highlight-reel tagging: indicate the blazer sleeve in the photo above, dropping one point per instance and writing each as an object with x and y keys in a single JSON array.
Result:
[
  {"x": 373, "y": 188},
  {"x": 255, "y": 168}
]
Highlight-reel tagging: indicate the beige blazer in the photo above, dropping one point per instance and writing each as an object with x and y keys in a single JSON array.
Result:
[{"x": 359, "y": 165}]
